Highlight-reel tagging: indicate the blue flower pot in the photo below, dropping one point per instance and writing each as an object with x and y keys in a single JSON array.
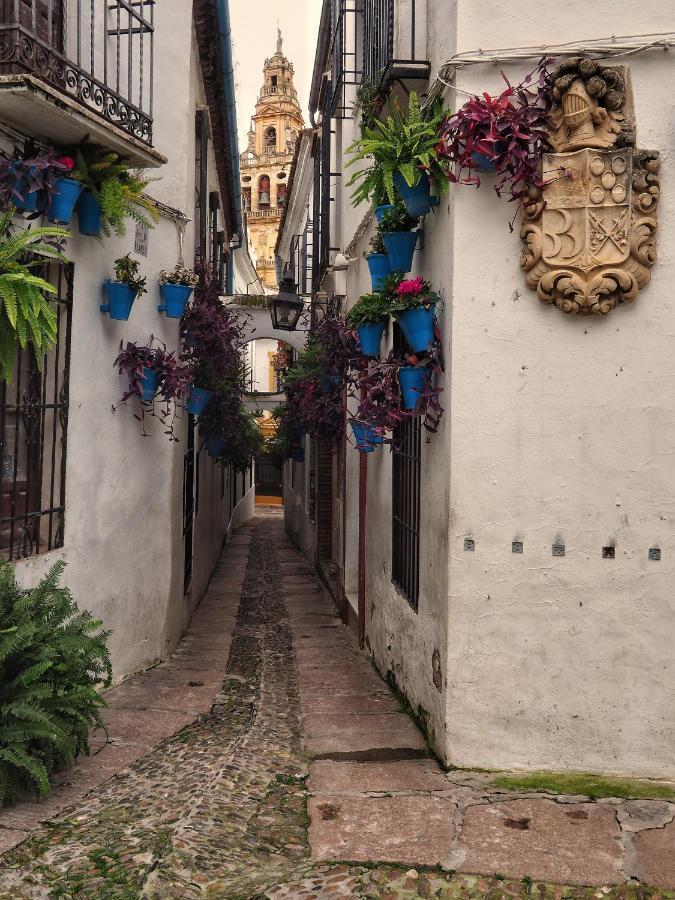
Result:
[
  {"x": 365, "y": 435},
  {"x": 370, "y": 335},
  {"x": 197, "y": 401},
  {"x": 120, "y": 299},
  {"x": 482, "y": 161},
  {"x": 175, "y": 297},
  {"x": 29, "y": 202},
  {"x": 298, "y": 454},
  {"x": 215, "y": 444},
  {"x": 89, "y": 214},
  {"x": 412, "y": 381},
  {"x": 149, "y": 384},
  {"x": 400, "y": 249},
  {"x": 381, "y": 210},
  {"x": 418, "y": 200},
  {"x": 417, "y": 326},
  {"x": 62, "y": 203},
  {"x": 329, "y": 383},
  {"x": 378, "y": 264}
]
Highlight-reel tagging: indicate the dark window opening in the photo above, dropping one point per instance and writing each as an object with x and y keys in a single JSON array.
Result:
[
  {"x": 201, "y": 187},
  {"x": 406, "y": 476},
  {"x": 33, "y": 437}
]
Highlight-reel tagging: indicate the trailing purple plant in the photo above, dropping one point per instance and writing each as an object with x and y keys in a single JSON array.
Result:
[
  {"x": 25, "y": 172},
  {"x": 507, "y": 133},
  {"x": 173, "y": 381}
]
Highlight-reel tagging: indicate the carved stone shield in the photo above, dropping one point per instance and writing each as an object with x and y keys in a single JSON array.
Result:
[
  {"x": 586, "y": 217},
  {"x": 590, "y": 232}
]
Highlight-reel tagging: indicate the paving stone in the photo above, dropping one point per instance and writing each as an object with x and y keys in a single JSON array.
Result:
[
  {"x": 360, "y": 723},
  {"x": 374, "y": 703},
  {"x": 655, "y": 851},
  {"x": 361, "y": 829},
  {"x": 328, "y": 776},
  {"x": 10, "y": 837},
  {"x": 541, "y": 839},
  {"x": 636, "y": 815}
]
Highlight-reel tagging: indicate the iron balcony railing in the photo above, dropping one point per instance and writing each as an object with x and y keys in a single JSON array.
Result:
[
  {"x": 394, "y": 44},
  {"x": 97, "y": 52}
]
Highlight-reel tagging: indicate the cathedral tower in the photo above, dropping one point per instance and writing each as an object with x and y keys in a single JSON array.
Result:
[{"x": 266, "y": 162}]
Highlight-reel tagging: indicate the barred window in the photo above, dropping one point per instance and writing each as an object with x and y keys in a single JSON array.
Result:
[
  {"x": 406, "y": 476},
  {"x": 33, "y": 437}
]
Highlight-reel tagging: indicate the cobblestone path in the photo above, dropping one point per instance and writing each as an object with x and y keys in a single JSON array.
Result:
[{"x": 302, "y": 724}]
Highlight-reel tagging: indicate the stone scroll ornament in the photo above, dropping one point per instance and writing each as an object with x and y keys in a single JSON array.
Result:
[{"x": 590, "y": 231}]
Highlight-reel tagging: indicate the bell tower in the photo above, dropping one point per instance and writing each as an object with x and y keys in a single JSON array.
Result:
[{"x": 266, "y": 162}]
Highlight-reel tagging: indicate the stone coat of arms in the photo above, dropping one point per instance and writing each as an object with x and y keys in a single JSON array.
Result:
[{"x": 590, "y": 233}]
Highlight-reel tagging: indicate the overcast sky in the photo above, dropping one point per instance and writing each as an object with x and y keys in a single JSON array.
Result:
[{"x": 254, "y": 38}]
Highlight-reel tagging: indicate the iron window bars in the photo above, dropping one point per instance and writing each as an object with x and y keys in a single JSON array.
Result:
[
  {"x": 406, "y": 477},
  {"x": 33, "y": 437},
  {"x": 345, "y": 68},
  {"x": 382, "y": 21},
  {"x": 99, "y": 53}
]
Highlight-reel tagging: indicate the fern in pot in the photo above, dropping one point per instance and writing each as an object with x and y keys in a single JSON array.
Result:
[
  {"x": 404, "y": 155},
  {"x": 26, "y": 316},
  {"x": 368, "y": 317}
]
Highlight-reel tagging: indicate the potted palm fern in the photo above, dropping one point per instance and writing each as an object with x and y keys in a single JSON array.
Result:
[
  {"x": 113, "y": 192},
  {"x": 403, "y": 150},
  {"x": 26, "y": 316}
]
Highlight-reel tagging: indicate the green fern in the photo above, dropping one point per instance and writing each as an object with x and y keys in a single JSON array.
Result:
[
  {"x": 405, "y": 143},
  {"x": 52, "y": 658},
  {"x": 118, "y": 189},
  {"x": 26, "y": 316}
]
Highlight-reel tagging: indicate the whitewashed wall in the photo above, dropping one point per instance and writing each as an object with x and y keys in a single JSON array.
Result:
[{"x": 123, "y": 526}]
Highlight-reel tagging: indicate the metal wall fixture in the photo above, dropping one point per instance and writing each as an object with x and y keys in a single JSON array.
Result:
[
  {"x": 406, "y": 492},
  {"x": 557, "y": 549},
  {"x": 469, "y": 544},
  {"x": 608, "y": 552},
  {"x": 655, "y": 553},
  {"x": 516, "y": 546},
  {"x": 99, "y": 54}
]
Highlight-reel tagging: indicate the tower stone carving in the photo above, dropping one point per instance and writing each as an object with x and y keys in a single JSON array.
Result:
[
  {"x": 266, "y": 162},
  {"x": 590, "y": 236}
]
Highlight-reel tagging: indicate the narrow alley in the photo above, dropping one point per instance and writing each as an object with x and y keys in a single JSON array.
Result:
[{"x": 267, "y": 758}]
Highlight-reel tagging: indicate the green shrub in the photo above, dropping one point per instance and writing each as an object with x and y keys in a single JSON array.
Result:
[{"x": 52, "y": 657}]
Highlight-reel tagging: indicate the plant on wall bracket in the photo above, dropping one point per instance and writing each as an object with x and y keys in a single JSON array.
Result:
[
  {"x": 26, "y": 316},
  {"x": 405, "y": 145}
]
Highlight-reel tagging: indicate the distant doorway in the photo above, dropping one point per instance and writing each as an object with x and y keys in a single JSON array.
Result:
[{"x": 268, "y": 481}]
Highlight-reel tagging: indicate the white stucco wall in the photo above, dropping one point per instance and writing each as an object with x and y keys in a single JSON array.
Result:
[
  {"x": 124, "y": 492},
  {"x": 562, "y": 429}
]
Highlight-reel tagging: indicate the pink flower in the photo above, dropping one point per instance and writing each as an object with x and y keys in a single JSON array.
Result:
[
  {"x": 413, "y": 286},
  {"x": 67, "y": 162}
]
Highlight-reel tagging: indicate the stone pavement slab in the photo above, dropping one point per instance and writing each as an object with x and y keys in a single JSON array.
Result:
[
  {"x": 541, "y": 839},
  {"x": 411, "y": 829},
  {"x": 410, "y": 775},
  {"x": 655, "y": 852}
]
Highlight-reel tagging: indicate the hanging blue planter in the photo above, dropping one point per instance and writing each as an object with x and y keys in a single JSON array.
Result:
[
  {"x": 197, "y": 401},
  {"x": 378, "y": 264},
  {"x": 149, "y": 384},
  {"x": 62, "y": 203},
  {"x": 298, "y": 454},
  {"x": 418, "y": 200},
  {"x": 89, "y": 214},
  {"x": 120, "y": 299},
  {"x": 412, "y": 381},
  {"x": 365, "y": 435},
  {"x": 329, "y": 383},
  {"x": 175, "y": 297},
  {"x": 370, "y": 335},
  {"x": 215, "y": 444},
  {"x": 400, "y": 249},
  {"x": 381, "y": 210},
  {"x": 30, "y": 201},
  {"x": 483, "y": 162},
  {"x": 417, "y": 326}
]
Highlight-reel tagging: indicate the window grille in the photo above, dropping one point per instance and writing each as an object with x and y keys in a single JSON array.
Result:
[
  {"x": 345, "y": 70},
  {"x": 201, "y": 187},
  {"x": 406, "y": 476},
  {"x": 33, "y": 437}
]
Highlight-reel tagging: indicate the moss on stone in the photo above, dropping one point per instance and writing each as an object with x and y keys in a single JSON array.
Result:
[{"x": 594, "y": 786}]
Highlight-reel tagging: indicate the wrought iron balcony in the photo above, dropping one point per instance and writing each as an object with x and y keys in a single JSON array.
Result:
[
  {"x": 98, "y": 53},
  {"x": 394, "y": 44}
]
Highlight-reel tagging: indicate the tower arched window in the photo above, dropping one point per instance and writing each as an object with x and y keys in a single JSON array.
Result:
[
  {"x": 264, "y": 191},
  {"x": 281, "y": 195},
  {"x": 271, "y": 140}
]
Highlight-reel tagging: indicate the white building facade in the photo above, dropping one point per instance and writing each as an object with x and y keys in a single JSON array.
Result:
[
  {"x": 139, "y": 520},
  {"x": 538, "y": 633}
]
